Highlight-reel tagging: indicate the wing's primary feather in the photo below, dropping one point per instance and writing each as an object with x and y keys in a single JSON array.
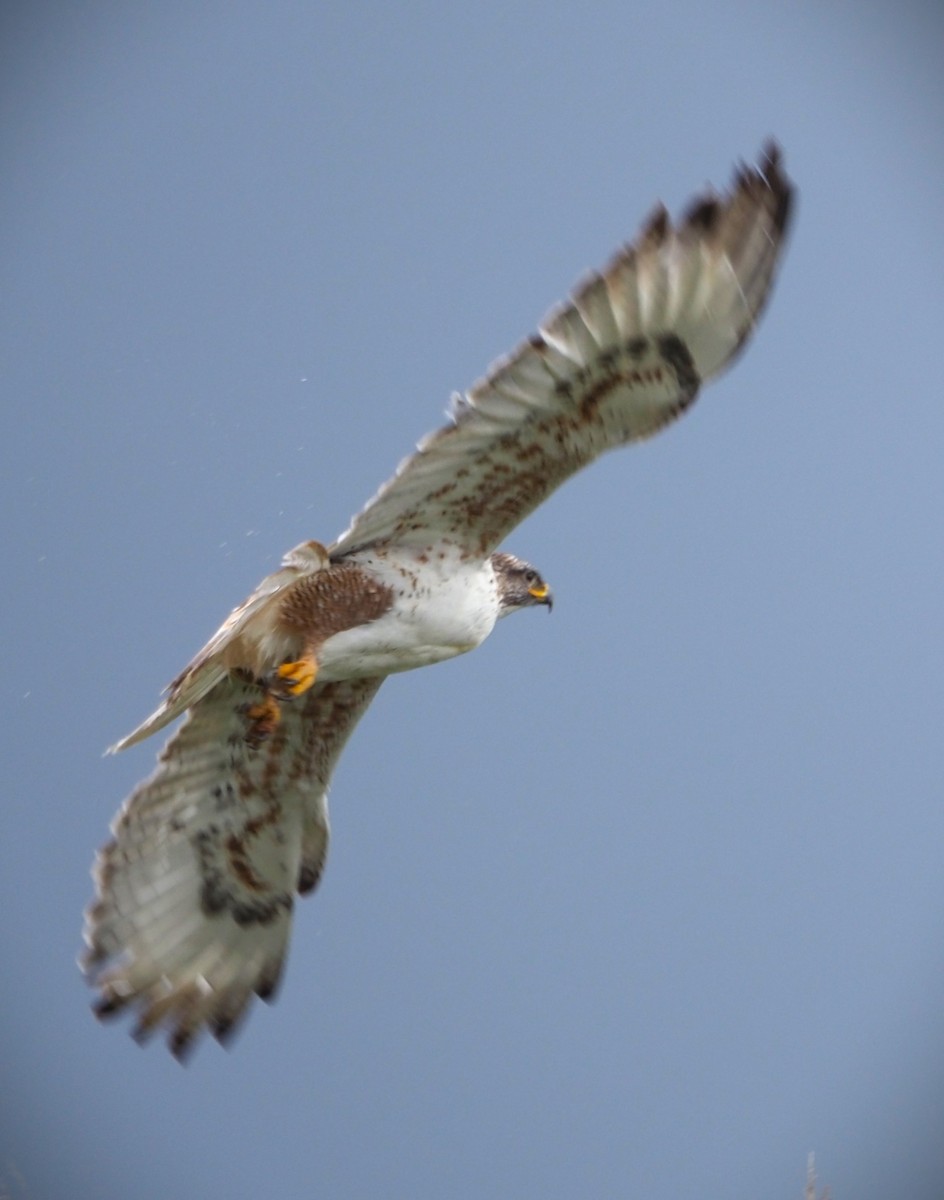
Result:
[
  {"x": 196, "y": 889},
  {"x": 625, "y": 356}
]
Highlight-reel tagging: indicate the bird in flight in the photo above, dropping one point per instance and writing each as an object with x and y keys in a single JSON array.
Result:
[{"x": 195, "y": 891}]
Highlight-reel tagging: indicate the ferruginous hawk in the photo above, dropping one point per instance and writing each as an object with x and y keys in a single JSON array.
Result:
[{"x": 196, "y": 889}]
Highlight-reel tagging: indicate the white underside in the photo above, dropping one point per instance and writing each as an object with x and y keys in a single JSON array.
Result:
[{"x": 442, "y": 609}]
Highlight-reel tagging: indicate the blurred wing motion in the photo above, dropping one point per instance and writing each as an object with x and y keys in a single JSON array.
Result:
[{"x": 195, "y": 892}]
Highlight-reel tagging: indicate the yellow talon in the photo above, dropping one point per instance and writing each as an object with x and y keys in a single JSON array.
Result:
[
  {"x": 294, "y": 678},
  {"x": 264, "y": 718},
  {"x": 286, "y": 682}
]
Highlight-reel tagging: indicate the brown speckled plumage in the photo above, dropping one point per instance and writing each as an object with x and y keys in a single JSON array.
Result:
[
  {"x": 196, "y": 889},
  {"x": 337, "y": 598}
]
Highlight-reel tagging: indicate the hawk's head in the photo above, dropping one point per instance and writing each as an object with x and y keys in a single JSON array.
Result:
[{"x": 519, "y": 585}]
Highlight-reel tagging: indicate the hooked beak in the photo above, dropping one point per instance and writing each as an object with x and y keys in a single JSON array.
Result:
[{"x": 543, "y": 595}]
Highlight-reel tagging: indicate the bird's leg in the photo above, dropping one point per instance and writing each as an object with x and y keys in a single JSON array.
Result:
[
  {"x": 284, "y": 683},
  {"x": 263, "y": 718},
  {"x": 293, "y": 679}
]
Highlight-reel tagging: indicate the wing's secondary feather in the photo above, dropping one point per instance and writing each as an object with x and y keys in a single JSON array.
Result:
[
  {"x": 622, "y": 358},
  {"x": 196, "y": 889}
]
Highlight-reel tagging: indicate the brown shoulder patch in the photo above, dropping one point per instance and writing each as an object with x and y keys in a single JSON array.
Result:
[{"x": 340, "y": 597}]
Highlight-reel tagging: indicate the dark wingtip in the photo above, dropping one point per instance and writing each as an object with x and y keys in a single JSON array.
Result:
[
  {"x": 108, "y": 1006},
  {"x": 180, "y": 1042},
  {"x": 268, "y": 986},
  {"x": 223, "y": 1029},
  {"x": 656, "y": 226},
  {"x": 771, "y": 155},
  {"x": 703, "y": 214},
  {"x": 308, "y": 878},
  {"x": 770, "y": 168}
]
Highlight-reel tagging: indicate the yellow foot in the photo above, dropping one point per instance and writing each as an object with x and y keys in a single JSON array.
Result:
[
  {"x": 292, "y": 679},
  {"x": 264, "y": 718}
]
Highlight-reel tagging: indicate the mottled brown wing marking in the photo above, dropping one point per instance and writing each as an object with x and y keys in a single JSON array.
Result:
[
  {"x": 329, "y": 717},
  {"x": 592, "y": 422},
  {"x": 238, "y": 847},
  {"x": 230, "y": 880},
  {"x": 621, "y": 359},
  {"x": 195, "y": 891}
]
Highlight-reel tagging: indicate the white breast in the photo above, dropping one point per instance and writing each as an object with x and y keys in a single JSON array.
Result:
[{"x": 442, "y": 607}]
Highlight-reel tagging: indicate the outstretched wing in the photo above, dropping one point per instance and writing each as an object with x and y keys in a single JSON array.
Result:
[
  {"x": 624, "y": 357},
  {"x": 196, "y": 889}
]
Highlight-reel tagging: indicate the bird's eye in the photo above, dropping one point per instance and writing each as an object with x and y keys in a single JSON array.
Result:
[{"x": 530, "y": 577}]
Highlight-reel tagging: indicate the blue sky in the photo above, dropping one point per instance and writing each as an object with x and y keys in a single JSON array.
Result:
[{"x": 642, "y": 898}]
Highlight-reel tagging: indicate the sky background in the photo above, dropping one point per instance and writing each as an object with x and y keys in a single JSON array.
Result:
[{"x": 643, "y": 898}]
